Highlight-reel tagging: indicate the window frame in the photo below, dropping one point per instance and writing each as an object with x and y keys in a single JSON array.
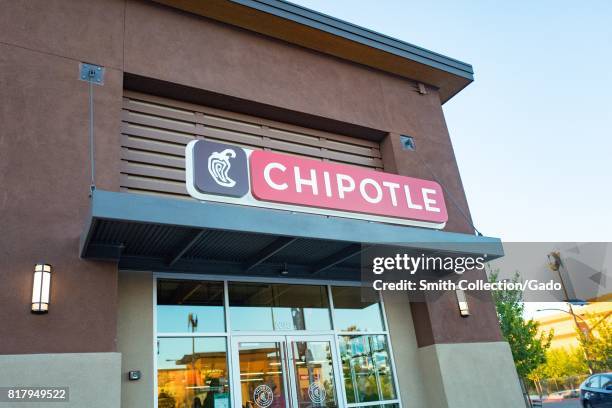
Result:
[{"x": 336, "y": 334}]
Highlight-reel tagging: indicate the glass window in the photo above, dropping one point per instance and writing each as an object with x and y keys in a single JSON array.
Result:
[
  {"x": 606, "y": 382},
  {"x": 593, "y": 382},
  {"x": 366, "y": 368},
  {"x": 314, "y": 374},
  {"x": 192, "y": 372},
  {"x": 353, "y": 312},
  {"x": 262, "y": 374},
  {"x": 261, "y": 306},
  {"x": 190, "y": 306}
]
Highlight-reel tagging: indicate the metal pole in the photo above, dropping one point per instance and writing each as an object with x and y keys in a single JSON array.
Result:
[
  {"x": 571, "y": 311},
  {"x": 557, "y": 268},
  {"x": 91, "y": 133}
]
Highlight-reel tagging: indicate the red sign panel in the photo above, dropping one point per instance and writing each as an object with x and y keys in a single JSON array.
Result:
[{"x": 285, "y": 179}]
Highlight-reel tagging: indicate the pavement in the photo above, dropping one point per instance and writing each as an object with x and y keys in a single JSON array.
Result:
[{"x": 568, "y": 403}]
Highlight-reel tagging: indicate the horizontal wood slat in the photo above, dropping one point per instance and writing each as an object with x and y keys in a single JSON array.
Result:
[
  {"x": 155, "y": 131},
  {"x": 134, "y": 99}
]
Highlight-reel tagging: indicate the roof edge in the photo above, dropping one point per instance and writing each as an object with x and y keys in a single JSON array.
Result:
[
  {"x": 336, "y": 26},
  {"x": 319, "y": 32}
]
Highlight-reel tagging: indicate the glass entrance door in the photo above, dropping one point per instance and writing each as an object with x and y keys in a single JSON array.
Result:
[
  {"x": 312, "y": 370},
  {"x": 285, "y": 372}
]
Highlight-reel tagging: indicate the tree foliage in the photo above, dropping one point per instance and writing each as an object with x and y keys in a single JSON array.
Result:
[
  {"x": 527, "y": 346},
  {"x": 596, "y": 342},
  {"x": 562, "y": 363}
]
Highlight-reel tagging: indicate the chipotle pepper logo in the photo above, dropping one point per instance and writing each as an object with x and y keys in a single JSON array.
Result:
[{"x": 219, "y": 168}]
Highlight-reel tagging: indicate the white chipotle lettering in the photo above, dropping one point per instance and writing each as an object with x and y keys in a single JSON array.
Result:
[{"x": 278, "y": 177}]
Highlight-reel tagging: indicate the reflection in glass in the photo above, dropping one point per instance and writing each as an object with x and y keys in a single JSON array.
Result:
[
  {"x": 314, "y": 374},
  {"x": 192, "y": 372},
  {"x": 262, "y": 375},
  {"x": 352, "y": 312},
  {"x": 261, "y": 306},
  {"x": 190, "y": 306},
  {"x": 366, "y": 368}
]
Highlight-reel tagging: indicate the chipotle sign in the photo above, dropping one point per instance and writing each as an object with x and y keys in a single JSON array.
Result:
[{"x": 227, "y": 173}]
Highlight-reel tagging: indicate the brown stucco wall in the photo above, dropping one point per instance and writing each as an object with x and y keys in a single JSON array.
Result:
[
  {"x": 44, "y": 147},
  {"x": 190, "y": 50},
  {"x": 44, "y": 170},
  {"x": 196, "y": 52}
]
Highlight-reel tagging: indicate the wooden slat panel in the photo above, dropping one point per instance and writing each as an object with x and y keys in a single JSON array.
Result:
[
  {"x": 155, "y": 131},
  {"x": 348, "y": 148},
  {"x": 152, "y": 146},
  {"x": 231, "y": 124},
  {"x": 242, "y": 139},
  {"x": 143, "y": 183},
  {"x": 158, "y": 110},
  {"x": 157, "y": 193},
  {"x": 363, "y": 161},
  {"x": 155, "y": 121},
  {"x": 146, "y": 170},
  {"x": 137, "y": 156},
  {"x": 245, "y": 118},
  {"x": 156, "y": 134}
]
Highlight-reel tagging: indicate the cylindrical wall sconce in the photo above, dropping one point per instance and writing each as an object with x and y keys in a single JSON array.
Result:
[
  {"x": 464, "y": 308},
  {"x": 41, "y": 288}
]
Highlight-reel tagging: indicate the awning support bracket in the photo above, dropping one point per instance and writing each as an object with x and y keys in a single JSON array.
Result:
[
  {"x": 183, "y": 250},
  {"x": 269, "y": 251},
  {"x": 339, "y": 257}
]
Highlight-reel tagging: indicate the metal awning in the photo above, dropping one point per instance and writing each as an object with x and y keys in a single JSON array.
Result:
[{"x": 146, "y": 232}]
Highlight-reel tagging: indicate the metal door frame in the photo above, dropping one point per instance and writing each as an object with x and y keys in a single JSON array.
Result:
[{"x": 289, "y": 379}]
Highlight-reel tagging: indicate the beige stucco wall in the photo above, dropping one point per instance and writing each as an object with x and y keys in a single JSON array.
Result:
[
  {"x": 135, "y": 337},
  {"x": 405, "y": 350},
  {"x": 92, "y": 378},
  {"x": 460, "y": 375},
  {"x": 470, "y": 375}
]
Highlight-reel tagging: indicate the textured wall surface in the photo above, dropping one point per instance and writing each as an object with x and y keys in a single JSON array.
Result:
[
  {"x": 470, "y": 375},
  {"x": 44, "y": 163},
  {"x": 44, "y": 170},
  {"x": 405, "y": 354},
  {"x": 135, "y": 337},
  {"x": 92, "y": 378}
]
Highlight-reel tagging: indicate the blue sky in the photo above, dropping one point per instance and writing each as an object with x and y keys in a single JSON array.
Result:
[{"x": 533, "y": 133}]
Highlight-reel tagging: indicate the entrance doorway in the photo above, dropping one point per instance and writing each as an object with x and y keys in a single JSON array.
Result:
[
  {"x": 280, "y": 371},
  {"x": 262, "y": 344}
]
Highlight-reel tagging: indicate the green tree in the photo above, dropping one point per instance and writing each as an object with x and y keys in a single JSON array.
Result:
[
  {"x": 596, "y": 342},
  {"x": 562, "y": 363},
  {"x": 527, "y": 346},
  {"x": 565, "y": 368}
]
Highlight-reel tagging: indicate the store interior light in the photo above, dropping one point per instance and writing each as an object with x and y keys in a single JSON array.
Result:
[
  {"x": 285, "y": 270},
  {"x": 41, "y": 288}
]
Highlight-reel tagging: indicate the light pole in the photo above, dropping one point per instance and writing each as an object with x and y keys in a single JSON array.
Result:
[
  {"x": 588, "y": 331},
  {"x": 555, "y": 264}
]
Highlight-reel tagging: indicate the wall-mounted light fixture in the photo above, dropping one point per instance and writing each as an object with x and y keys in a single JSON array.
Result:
[
  {"x": 464, "y": 308},
  {"x": 41, "y": 288}
]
